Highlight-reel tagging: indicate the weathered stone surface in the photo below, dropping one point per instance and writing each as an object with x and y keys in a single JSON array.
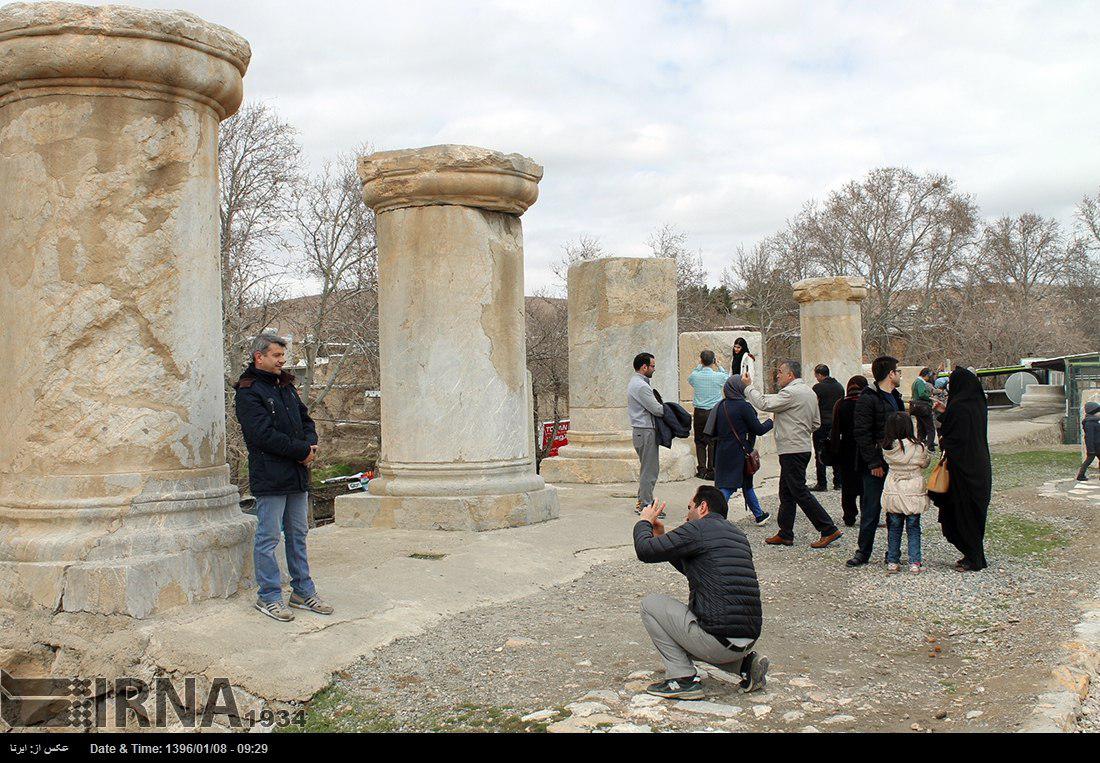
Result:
[
  {"x": 721, "y": 343},
  {"x": 831, "y": 325},
  {"x": 114, "y": 493},
  {"x": 456, "y": 446},
  {"x": 608, "y": 325}
]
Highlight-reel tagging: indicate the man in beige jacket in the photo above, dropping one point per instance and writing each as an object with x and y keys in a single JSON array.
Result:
[{"x": 796, "y": 418}]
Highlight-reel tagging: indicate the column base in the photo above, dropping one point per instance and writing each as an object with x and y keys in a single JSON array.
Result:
[
  {"x": 472, "y": 512},
  {"x": 170, "y": 539},
  {"x": 598, "y": 459}
]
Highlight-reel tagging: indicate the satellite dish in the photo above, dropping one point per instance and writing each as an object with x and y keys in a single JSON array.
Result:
[{"x": 1017, "y": 385}]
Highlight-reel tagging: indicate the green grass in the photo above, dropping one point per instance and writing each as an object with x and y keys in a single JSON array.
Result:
[
  {"x": 1032, "y": 468},
  {"x": 332, "y": 470},
  {"x": 1023, "y": 538},
  {"x": 334, "y": 710}
]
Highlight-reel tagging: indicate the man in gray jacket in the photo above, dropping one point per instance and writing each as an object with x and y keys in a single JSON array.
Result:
[
  {"x": 796, "y": 418},
  {"x": 641, "y": 406}
]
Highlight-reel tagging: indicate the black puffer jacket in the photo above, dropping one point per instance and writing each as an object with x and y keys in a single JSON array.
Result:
[
  {"x": 869, "y": 424},
  {"x": 277, "y": 430},
  {"x": 1090, "y": 426},
  {"x": 716, "y": 558}
]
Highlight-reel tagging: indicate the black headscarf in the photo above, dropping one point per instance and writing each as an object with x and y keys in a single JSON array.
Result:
[
  {"x": 739, "y": 356},
  {"x": 965, "y": 442}
]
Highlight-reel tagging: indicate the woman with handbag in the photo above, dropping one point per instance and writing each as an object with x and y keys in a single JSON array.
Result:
[
  {"x": 734, "y": 426},
  {"x": 964, "y": 500}
]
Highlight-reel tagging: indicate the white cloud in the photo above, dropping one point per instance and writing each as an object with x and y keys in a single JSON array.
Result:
[{"x": 721, "y": 117}]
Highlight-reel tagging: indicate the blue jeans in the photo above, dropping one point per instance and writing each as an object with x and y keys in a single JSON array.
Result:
[
  {"x": 288, "y": 514},
  {"x": 751, "y": 501},
  {"x": 869, "y": 513},
  {"x": 894, "y": 523}
]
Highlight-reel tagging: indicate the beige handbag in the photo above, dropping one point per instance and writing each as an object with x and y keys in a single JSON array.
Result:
[{"x": 939, "y": 480}]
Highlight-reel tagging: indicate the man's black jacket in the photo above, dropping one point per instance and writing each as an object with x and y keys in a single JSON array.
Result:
[
  {"x": 829, "y": 392},
  {"x": 869, "y": 424},
  {"x": 716, "y": 558},
  {"x": 277, "y": 430}
]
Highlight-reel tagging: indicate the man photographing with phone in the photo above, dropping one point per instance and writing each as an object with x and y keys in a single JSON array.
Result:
[{"x": 722, "y": 619}]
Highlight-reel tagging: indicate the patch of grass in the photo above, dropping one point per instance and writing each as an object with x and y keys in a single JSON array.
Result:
[
  {"x": 1032, "y": 468},
  {"x": 469, "y": 718},
  {"x": 322, "y": 473},
  {"x": 334, "y": 710},
  {"x": 1023, "y": 538}
]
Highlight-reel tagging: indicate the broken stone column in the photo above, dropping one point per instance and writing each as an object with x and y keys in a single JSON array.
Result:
[
  {"x": 618, "y": 307},
  {"x": 456, "y": 445},
  {"x": 832, "y": 326},
  {"x": 114, "y": 492}
]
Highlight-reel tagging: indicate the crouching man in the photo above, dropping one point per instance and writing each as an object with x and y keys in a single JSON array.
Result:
[
  {"x": 721, "y": 621},
  {"x": 282, "y": 443}
]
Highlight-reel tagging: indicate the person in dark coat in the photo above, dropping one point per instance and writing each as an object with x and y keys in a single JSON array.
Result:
[
  {"x": 723, "y": 618},
  {"x": 1090, "y": 429},
  {"x": 829, "y": 392},
  {"x": 965, "y": 445},
  {"x": 734, "y": 426},
  {"x": 845, "y": 452},
  {"x": 876, "y": 404},
  {"x": 282, "y": 443}
]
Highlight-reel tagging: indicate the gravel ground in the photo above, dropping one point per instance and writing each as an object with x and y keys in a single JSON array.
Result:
[{"x": 849, "y": 649}]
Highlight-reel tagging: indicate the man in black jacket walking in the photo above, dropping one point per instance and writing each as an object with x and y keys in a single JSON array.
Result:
[
  {"x": 282, "y": 442},
  {"x": 722, "y": 619},
  {"x": 829, "y": 392},
  {"x": 876, "y": 403}
]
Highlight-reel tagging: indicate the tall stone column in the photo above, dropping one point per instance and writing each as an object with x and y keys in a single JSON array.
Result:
[
  {"x": 618, "y": 307},
  {"x": 114, "y": 492},
  {"x": 832, "y": 326},
  {"x": 456, "y": 447}
]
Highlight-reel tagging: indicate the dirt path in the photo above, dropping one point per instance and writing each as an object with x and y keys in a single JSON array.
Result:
[{"x": 850, "y": 649}]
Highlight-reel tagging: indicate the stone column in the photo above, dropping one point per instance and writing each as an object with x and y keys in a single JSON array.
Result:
[
  {"x": 456, "y": 450},
  {"x": 832, "y": 327},
  {"x": 114, "y": 492},
  {"x": 721, "y": 343},
  {"x": 618, "y": 307}
]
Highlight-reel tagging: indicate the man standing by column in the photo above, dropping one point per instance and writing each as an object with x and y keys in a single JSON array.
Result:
[
  {"x": 796, "y": 418},
  {"x": 706, "y": 380},
  {"x": 829, "y": 392},
  {"x": 641, "y": 406},
  {"x": 876, "y": 404},
  {"x": 282, "y": 441}
]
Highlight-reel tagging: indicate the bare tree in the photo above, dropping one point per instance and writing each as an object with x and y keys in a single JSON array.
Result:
[
  {"x": 548, "y": 362},
  {"x": 695, "y": 303},
  {"x": 1023, "y": 257},
  {"x": 258, "y": 165},
  {"x": 335, "y": 232},
  {"x": 585, "y": 247},
  {"x": 1083, "y": 279},
  {"x": 903, "y": 232}
]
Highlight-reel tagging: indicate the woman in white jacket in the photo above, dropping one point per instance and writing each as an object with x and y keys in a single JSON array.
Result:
[
  {"x": 743, "y": 360},
  {"x": 905, "y": 494}
]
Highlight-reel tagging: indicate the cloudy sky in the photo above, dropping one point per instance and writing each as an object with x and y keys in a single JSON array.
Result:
[{"x": 721, "y": 117}]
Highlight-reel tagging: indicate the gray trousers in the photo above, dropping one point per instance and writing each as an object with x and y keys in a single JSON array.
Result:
[
  {"x": 675, "y": 632},
  {"x": 645, "y": 445}
]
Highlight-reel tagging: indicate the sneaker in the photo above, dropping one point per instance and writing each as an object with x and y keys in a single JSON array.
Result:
[
  {"x": 275, "y": 610},
  {"x": 915, "y": 568},
  {"x": 892, "y": 568},
  {"x": 678, "y": 688},
  {"x": 310, "y": 603},
  {"x": 825, "y": 540},
  {"x": 638, "y": 510},
  {"x": 763, "y": 518},
  {"x": 1082, "y": 478},
  {"x": 755, "y": 677},
  {"x": 776, "y": 540}
]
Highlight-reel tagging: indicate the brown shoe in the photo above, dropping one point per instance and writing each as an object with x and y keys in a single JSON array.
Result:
[
  {"x": 775, "y": 540},
  {"x": 825, "y": 540}
]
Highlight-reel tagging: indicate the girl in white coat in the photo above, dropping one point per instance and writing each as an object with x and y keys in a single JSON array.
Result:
[
  {"x": 743, "y": 360},
  {"x": 905, "y": 494}
]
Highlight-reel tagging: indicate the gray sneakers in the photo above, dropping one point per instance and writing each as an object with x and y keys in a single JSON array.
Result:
[
  {"x": 275, "y": 610},
  {"x": 311, "y": 604}
]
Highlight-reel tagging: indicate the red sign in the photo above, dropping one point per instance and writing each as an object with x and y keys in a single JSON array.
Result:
[{"x": 561, "y": 439}]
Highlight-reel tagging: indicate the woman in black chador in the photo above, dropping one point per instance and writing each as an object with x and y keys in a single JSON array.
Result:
[{"x": 965, "y": 445}]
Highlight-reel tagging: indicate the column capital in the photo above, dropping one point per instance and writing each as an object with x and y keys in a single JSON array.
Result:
[
  {"x": 452, "y": 175},
  {"x": 831, "y": 289},
  {"x": 56, "y": 48}
]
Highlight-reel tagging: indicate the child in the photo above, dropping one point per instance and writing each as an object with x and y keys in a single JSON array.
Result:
[
  {"x": 905, "y": 496},
  {"x": 1090, "y": 427}
]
